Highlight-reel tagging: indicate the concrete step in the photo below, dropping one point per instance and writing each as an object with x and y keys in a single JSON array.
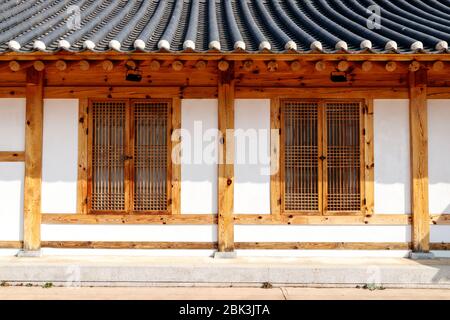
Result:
[{"x": 253, "y": 272}]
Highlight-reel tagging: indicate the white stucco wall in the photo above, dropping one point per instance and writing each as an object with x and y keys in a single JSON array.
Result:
[
  {"x": 12, "y": 124},
  {"x": 11, "y": 201},
  {"x": 169, "y": 233},
  {"x": 392, "y": 157},
  {"x": 438, "y": 166},
  {"x": 12, "y": 138},
  {"x": 438, "y": 155},
  {"x": 199, "y": 121},
  {"x": 249, "y": 233},
  {"x": 252, "y": 156},
  {"x": 60, "y": 152}
]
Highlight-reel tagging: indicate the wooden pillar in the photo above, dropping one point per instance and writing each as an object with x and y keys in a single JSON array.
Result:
[
  {"x": 33, "y": 160},
  {"x": 175, "y": 158},
  {"x": 82, "y": 181},
  {"x": 419, "y": 161},
  {"x": 226, "y": 160}
]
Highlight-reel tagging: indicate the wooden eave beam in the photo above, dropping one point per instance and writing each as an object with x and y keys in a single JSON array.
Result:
[{"x": 219, "y": 56}]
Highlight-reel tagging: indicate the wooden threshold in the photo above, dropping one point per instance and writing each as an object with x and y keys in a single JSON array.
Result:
[
  {"x": 213, "y": 245},
  {"x": 11, "y": 244},
  {"x": 239, "y": 245},
  {"x": 128, "y": 245},
  {"x": 324, "y": 245}
]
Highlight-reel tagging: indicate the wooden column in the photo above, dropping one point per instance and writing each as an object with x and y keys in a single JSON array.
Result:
[
  {"x": 175, "y": 158},
  {"x": 275, "y": 177},
  {"x": 82, "y": 181},
  {"x": 226, "y": 161},
  {"x": 369, "y": 162},
  {"x": 33, "y": 160},
  {"x": 419, "y": 161}
]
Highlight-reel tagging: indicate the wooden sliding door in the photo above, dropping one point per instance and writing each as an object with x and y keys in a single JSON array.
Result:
[
  {"x": 128, "y": 149},
  {"x": 323, "y": 156}
]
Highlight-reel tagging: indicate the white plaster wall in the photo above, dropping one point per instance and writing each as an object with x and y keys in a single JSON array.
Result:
[
  {"x": 438, "y": 155},
  {"x": 124, "y": 252},
  {"x": 252, "y": 156},
  {"x": 199, "y": 119},
  {"x": 440, "y": 233},
  {"x": 169, "y": 233},
  {"x": 59, "y": 167},
  {"x": 325, "y": 253},
  {"x": 11, "y": 201},
  {"x": 12, "y": 138},
  {"x": 257, "y": 233},
  {"x": 12, "y": 124},
  {"x": 392, "y": 161}
]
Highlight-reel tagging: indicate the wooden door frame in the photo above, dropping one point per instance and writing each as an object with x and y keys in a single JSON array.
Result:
[
  {"x": 365, "y": 122},
  {"x": 173, "y": 112}
]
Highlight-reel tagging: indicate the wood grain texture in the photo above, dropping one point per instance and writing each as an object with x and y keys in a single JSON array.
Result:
[
  {"x": 440, "y": 246},
  {"x": 11, "y": 244},
  {"x": 348, "y": 219},
  {"x": 440, "y": 219},
  {"x": 239, "y": 219},
  {"x": 82, "y": 180},
  {"x": 128, "y": 245},
  {"x": 275, "y": 153},
  {"x": 238, "y": 245},
  {"x": 184, "y": 219},
  {"x": 419, "y": 160},
  {"x": 12, "y": 92},
  {"x": 33, "y": 160},
  {"x": 12, "y": 156},
  {"x": 369, "y": 159},
  {"x": 226, "y": 161},
  {"x": 120, "y": 92},
  {"x": 175, "y": 157},
  {"x": 324, "y": 245}
]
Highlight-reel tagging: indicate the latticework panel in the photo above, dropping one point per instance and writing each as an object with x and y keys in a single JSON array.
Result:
[
  {"x": 301, "y": 167},
  {"x": 108, "y": 150},
  {"x": 150, "y": 156},
  {"x": 343, "y": 156}
]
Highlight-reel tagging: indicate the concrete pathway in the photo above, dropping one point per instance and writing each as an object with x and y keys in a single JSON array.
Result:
[{"x": 57, "y": 293}]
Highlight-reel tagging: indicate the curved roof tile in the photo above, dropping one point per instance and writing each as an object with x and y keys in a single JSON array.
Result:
[{"x": 223, "y": 25}]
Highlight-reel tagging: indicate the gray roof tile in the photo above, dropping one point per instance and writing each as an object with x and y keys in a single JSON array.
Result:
[{"x": 223, "y": 25}]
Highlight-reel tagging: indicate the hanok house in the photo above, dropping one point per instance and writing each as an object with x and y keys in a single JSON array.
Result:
[{"x": 93, "y": 94}]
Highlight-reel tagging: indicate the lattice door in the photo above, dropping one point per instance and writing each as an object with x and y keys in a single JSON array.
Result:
[
  {"x": 150, "y": 156},
  {"x": 343, "y": 156},
  {"x": 301, "y": 158},
  {"x": 108, "y": 151},
  {"x": 322, "y": 156}
]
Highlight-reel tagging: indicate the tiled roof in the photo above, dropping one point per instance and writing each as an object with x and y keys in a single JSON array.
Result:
[{"x": 225, "y": 25}]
